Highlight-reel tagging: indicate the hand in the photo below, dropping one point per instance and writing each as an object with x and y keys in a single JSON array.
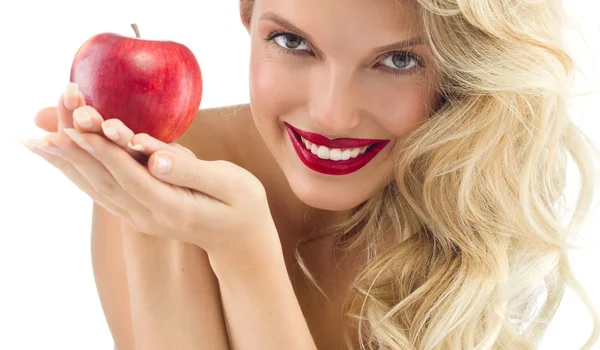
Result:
[
  {"x": 53, "y": 119},
  {"x": 216, "y": 205}
]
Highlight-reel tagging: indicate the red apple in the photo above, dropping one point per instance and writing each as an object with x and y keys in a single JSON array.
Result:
[{"x": 154, "y": 87}]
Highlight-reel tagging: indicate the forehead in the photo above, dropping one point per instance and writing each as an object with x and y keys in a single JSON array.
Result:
[{"x": 376, "y": 22}]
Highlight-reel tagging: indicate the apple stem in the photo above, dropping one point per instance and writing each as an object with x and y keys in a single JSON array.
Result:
[{"x": 136, "y": 30}]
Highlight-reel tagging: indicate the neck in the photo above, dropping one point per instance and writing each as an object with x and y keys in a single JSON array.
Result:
[{"x": 299, "y": 219}]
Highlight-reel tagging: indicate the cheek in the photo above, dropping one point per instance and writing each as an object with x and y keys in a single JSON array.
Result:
[
  {"x": 274, "y": 87},
  {"x": 266, "y": 99},
  {"x": 405, "y": 107}
]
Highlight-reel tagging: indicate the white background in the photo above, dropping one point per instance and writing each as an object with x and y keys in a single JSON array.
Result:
[{"x": 48, "y": 298}]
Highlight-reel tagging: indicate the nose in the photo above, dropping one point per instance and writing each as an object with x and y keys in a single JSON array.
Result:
[{"x": 334, "y": 102}]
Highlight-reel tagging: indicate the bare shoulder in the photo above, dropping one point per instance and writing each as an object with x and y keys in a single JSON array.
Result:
[{"x": 215, "y": 132}]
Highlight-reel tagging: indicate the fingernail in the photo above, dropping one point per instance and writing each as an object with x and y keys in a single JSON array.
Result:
[
  {"x": 42, "y": 145},
  {"x": 111, "y": 133},
  {"x": 78, "y": 139},
  {"x": 70, "y": 96},
  {"x": 83, "y": 118},
  {"x": 138, "y": 147},
  {"x": 162, "y": 164}
]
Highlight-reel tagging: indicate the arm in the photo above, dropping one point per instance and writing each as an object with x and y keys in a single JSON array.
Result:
[
  {"x": 174, "y": 295},
  {"x": 111, "y": 278},
  {"x": 260, "y": 305},
  {"x": 129, "y": 278},
  {"x": 154, "y": 292}
]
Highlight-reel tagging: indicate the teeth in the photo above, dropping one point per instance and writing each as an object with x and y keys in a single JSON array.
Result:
[
  {"x": 323, "y": 152},
  {"x": 346, "y": 154},
  {"x": 333, "y": 153}
]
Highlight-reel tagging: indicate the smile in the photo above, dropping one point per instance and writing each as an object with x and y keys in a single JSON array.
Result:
[{"x": 333, "y": 157}]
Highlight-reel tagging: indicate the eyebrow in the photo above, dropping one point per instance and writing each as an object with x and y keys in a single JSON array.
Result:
[{"x": 277, "y": 19}]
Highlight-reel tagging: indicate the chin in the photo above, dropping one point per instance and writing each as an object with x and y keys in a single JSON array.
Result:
[{"x": 323, "y": 194}]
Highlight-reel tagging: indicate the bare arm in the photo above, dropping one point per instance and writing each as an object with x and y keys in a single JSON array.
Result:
[
  {"x": 174, "y": 295},
  {"x": 168, "y": 285},
  {"x": 155, "y": 293},
  {"x": 111, "y": 277},
  {"x": 260, "y": 304}
]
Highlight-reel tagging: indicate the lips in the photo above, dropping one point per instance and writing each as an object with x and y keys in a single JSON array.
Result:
[
  {"x": 333, "y": 167},
  {"x": 337, "y": 143}
]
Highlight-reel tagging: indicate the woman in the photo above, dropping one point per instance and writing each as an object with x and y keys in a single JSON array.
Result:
[{"x": 403, "y": 156}]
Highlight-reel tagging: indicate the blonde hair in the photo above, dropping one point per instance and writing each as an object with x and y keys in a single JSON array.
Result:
[{"x": 476, "y": 201}]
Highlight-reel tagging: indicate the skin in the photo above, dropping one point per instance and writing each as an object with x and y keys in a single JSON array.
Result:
[
  {"x": 332, "y": 89},
  {"x": 338, "y": 87}
]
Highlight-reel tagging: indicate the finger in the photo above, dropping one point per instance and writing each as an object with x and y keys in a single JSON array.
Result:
[
  {"x": 95, "y": 172},
  {"x": 125, "y": 172},
  {"x": 219, "y": 179},
  {"x": 87, "y": 119},
  {"x": 183, "y": 149},
  {"x": 148, "y": 145},
  {"x": 69, "y": 100},
  {"x": 116, "y": 131},
  {"x": 47, "y": 119},
  {"x": 52, "y": 154}
]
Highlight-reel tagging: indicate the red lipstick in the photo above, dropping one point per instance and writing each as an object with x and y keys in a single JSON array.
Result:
[
  {"x": 337, "y": 143},
  {"x": 328, "y": 166}
]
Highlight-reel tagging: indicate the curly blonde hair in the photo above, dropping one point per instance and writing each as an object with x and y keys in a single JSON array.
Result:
[{"x": 476, "y": 203}]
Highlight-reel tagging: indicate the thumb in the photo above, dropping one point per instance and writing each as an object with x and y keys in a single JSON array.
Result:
[
  {"x": 47, "y": 119},
  {"x": 216, "y": 179},
  {"x": 160, "y": 164}
]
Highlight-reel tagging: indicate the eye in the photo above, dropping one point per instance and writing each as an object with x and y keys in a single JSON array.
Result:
[
  {"x": 401, "y": 60},
  {"x": 289, "y": 41}
]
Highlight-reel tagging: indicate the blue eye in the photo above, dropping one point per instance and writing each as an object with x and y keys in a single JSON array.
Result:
[
  {"x": 401, "y": 60},
  {"x": 395, "y": 63}
]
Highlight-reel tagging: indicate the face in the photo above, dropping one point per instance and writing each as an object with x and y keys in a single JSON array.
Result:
[{"x": 333, "y": 86}]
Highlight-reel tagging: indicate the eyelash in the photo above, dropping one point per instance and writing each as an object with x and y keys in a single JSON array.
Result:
[{"x": 270, "y": 39}]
